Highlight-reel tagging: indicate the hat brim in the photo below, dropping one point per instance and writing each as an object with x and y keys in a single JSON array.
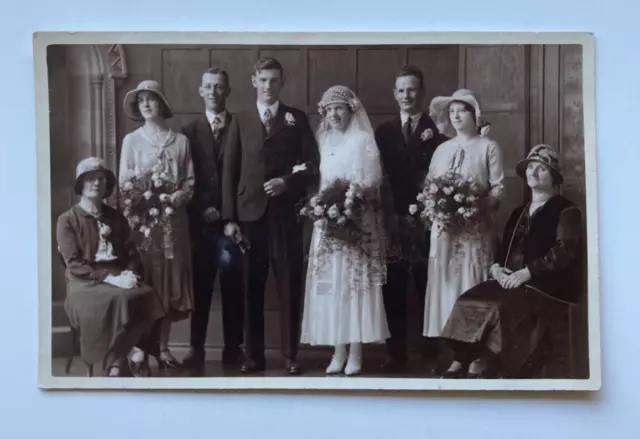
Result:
[
  {"x": 131, "y": 105},
  {"x": 440, "y": 103},
  {"x": 521, "y": 169},
  {"x": 111, "y": 182}
]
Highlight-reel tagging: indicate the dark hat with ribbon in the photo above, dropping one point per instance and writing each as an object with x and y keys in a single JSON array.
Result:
[{"x": 542, "y": 153}]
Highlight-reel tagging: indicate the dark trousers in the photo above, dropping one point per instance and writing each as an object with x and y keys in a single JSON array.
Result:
[
  {"x": 394, "y": 294},
  {"x": 204, "y": 274},
  {"x": 276, "y": 241}
]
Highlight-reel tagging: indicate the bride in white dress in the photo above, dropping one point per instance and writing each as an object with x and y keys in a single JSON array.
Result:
[{"x": 343, "y": 299}]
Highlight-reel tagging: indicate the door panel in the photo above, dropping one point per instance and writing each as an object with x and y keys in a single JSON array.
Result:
[{"x": 499, "y": 77}]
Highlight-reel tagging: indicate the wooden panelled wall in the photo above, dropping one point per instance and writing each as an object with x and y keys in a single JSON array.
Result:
[{"x": 530, "y": 94}]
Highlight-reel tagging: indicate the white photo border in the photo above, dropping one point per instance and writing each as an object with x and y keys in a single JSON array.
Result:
[{"x": 47, "y": 381}]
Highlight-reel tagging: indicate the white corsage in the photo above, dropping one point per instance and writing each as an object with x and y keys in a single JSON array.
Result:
[
  {"x": 298, "y": 168},
  {"x": 289, "y": 119},
  {"x": 484, "y": 131},
  {"x": 426, "y": 135}
]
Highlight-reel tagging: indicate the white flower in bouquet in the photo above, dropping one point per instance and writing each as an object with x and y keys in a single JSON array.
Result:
[
  {"x": 158, "y": 183},
  {"x": 126, "y": 212},
  {"x": 165, "y": 198},
  {"x": 168, "y": 210},
  {"x": 471, "y": 198},
  {"x": 127, "y": 186},
  {"x": 135, "y": 220},
  {"x": 440, "y": 215},
  {"x": 147, "y": 195},
  {"x": 348, "y": 213},
  {"x": 473, "y": 187},
  {"x": 127, "y": 202},
  {"x": 146, "y": 231},
  {"x": 467, "y": 214},
  {"x": 433, "y": 188},
  {"x": 413, "y": 209},
  {"x": 154, "y": 212},
  {"x": 342, "y": 220},
  {"x": 348, "y": 203},
  {"x": 164, "y": 176},
  {"x": 333, "y": 212},
  {"x": 448, "y": 190},
  {"x": 430, "y": 204},
  {"x": 155, "y": 176},
  {"x": 459, "y": 198},
  {"x": 304, "y": 211},
  {"x": 442, "y": 202},
  {"x": 421, "y": 197},
  {"x": 318, "y": 210},
  {"x": 462, "y": 211},
  {"x": 469, "y": 180}
]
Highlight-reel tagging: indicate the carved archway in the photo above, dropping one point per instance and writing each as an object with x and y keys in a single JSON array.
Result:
[{"x": 112, "y": 65}]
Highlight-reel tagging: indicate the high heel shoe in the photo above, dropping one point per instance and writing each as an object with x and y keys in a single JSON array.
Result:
[
  {"x": 455, "y": 370},
  {"x": 167, "y": 361},
  {"x": 338, "y": 361},
  {"x": 140, "y": 368},
  {"x": 354, "y": 363}
]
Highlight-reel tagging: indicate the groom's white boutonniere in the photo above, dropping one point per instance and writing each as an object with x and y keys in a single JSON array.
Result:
[
  {"x": 290, "y": 119},
  {"x": 426, "y": 135},
  {"x": 298, "y": 168}
]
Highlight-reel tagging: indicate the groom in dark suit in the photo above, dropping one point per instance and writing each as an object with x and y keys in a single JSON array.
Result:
[
  {"x": 271, "y": 159},
  {"x": 206, "y": 136},
  {"x": 407, "y": 143}
]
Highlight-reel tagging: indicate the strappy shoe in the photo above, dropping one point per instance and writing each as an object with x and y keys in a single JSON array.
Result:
[{"x": 167, "y": 361}]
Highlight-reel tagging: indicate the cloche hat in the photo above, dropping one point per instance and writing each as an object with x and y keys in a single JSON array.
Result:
[
  {"x": 542, "y": 153},
  {"x": 93, "y": 164},
  {"x": 131, "y": 100}
]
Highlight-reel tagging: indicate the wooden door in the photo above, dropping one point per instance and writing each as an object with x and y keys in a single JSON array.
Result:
[
  {"x": 309, "y": 71},
  {"x": 499, "y": 77}
]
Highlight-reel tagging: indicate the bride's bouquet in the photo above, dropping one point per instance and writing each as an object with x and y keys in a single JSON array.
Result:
[
  {"x": 450, "y": 203},
  {"x": 149, "y": 206},
  {"x": 339, "y": 209}
]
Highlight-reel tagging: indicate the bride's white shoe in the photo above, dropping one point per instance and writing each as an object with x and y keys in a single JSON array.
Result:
[
  {"x": 354, "y": 363},
  {"x": 338, "y": 360}
]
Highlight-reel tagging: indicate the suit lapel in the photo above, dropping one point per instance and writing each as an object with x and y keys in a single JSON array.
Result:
[
  {"x": 227, "y": 123},
  {"x": 423, "y": 124},
  {"x": 205, "y": 135}
]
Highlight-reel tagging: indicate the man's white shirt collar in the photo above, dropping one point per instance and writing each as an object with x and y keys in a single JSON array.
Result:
[
  {"x": 211, "y": 116},
  {"x": 273, "y": 108},
  {"x": 414, "y": 118}
]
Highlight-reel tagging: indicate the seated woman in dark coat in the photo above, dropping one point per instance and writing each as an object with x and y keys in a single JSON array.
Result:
[
  {"x": 496, "y": 325},
  {"x": 105, "y": 301}
]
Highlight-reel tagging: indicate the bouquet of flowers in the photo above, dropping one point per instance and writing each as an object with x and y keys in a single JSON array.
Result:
[
  {"x": 149, "y": 205},
  {"x": 450, "y": 203},
  {"x": 339, "y": 209}
]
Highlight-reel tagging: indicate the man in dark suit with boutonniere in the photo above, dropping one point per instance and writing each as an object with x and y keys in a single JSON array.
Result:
[
  {"x": 407, "y": 143},
  {"x": 206, "y": 136},
  {"x": 271, "y": 159}
]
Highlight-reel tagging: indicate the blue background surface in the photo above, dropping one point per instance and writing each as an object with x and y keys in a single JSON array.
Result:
[{"x": 29, "y": 412}]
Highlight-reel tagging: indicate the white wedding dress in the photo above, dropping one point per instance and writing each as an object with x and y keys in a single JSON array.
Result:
[{"x": 343, "y": 298}]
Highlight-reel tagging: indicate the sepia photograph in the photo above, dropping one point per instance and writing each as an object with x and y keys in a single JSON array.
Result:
[{"x": 330, "y": 211}]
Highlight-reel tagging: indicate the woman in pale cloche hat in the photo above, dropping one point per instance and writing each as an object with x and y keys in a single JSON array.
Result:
[
  {"x": 496, "y": 326},
  {"x": 106, "y": 302},
  {"x": 458, "y": 261},
  {"x": 157, "y": 159}
]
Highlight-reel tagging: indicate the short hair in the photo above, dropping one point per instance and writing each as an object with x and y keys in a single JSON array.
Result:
[
  {"x": 410, "y": 70},
  {"x": 219, "y": 71},
  {"x": 268, "y": 64}
]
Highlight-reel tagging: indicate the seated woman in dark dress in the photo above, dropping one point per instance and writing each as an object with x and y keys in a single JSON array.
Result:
[
  {"x": 496, "y": 326},
  {"x": 105, "y": 300}
]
